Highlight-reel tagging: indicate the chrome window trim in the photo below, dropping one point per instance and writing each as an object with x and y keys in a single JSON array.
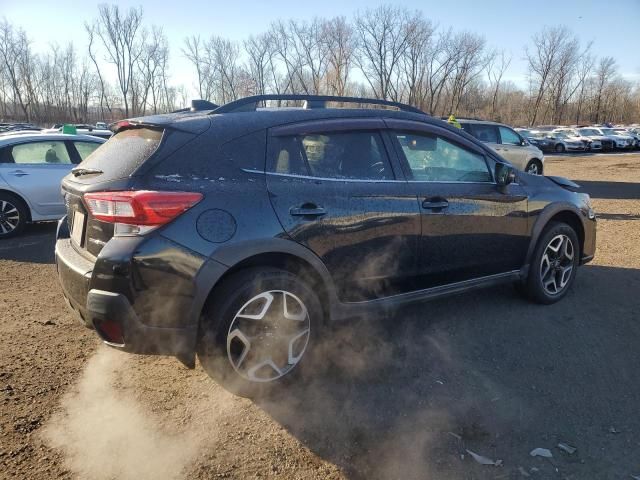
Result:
[
  {"x": 359, "y": 180},
  {"x": 307, "y": 177}
]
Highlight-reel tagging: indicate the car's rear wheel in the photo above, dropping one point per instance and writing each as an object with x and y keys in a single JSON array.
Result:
[
  {"x": 534, "y": 167},
  {"x": 553, "y": 265},
  {"x": 560, "y": 148},
  {"x": 13, "y": 215},
  {"x": 258, "y": 327}
]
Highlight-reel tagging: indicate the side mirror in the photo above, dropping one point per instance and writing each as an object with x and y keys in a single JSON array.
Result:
[{"x": 505, "y": 174}]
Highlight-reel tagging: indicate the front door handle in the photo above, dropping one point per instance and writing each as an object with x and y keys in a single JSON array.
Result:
[
  {"x": 19, "y": 173},
  {"x": 435, "y": 203},
  {"x": 307, "y": 211}
]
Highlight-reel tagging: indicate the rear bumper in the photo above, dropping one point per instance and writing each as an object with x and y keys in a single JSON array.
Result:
[
  {"x": 111, "y": 314},
  {"x": 118, "y": 325}
]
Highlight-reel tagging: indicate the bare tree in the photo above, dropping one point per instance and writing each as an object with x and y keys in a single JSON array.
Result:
[
  {"x": 496, "y": 66},
  {"x": 542, "y": 59},
  {"x": 120, "y": 35},
  {"x": 605, "y": 72},
  {"x": 383, "y": 35},
  {"x": 12, "y": 50},
  {"x": 338, "y": 39}
]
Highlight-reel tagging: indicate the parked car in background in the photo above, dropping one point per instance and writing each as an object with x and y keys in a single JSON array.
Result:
[
  {"x": 508, "y": 143},
  {"x": 573, "y": 134},
  {"x": 620, "y": 142},
  {"x": 563, "y": 142},
  {"x": 31, "y": 168},
  {"x": 82, "y": 129},
  {"x": 594, "y": 134},
  {"x": 101, "y": 126},
  {"x": 266, "y": 226},
  {"x": 631, "y": 133}
]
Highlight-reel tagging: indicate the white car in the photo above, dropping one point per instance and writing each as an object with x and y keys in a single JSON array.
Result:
[
  {"x": 31, "y": 169},
  {"x": 621, "y": 142},
  {"x": 631, "y": 133},
  {"x": 593, "y": 134},
  {"x": 573, "y": 134}
]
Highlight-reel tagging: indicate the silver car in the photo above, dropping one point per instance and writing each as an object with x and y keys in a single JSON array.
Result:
[
  {"x": 508, "y": 143},
  {"x": 32, "y": 166}
]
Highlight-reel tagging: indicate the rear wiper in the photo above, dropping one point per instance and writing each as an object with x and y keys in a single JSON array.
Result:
[{"x": 78, "y": 171}]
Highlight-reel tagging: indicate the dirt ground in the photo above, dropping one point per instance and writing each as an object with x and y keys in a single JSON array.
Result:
[{"x": 404, "y": 397}]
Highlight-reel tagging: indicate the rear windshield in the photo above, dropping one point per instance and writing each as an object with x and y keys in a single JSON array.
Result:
[{"x": 123, "y": 153}]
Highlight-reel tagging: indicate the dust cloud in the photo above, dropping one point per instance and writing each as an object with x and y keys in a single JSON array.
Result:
[{"x": 105, "y": 433}]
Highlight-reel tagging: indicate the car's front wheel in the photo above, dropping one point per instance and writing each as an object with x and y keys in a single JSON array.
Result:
[
  {"x": 560, "y": 148},
  {"x": 534, "y": 167},
  {"x": 257, "y": 328},
  {"x": 553, "y": 265}
]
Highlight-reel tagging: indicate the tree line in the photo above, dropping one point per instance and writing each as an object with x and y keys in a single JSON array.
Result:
[{"x": 385, "y": 52}]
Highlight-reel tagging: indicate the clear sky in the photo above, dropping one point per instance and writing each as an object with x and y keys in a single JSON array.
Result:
[{"x": 612, "y": 25}]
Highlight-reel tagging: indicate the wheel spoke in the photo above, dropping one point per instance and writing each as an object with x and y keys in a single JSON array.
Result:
[{"x": 565, "y": 275}]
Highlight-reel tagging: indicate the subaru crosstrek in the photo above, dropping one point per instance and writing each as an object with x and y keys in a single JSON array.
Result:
[{"x": 238, "y": 233}]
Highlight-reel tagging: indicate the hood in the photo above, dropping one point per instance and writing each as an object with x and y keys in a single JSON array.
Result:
[{"x": 564, "y": 183}]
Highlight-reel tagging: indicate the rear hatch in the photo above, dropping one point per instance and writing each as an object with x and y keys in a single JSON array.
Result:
[{"x": 118, "y": 165}]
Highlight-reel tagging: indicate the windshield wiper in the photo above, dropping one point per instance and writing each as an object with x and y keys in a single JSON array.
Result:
[{"x": 78, "y": 171}]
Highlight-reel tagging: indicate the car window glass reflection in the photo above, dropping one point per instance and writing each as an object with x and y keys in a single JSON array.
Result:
[{"x": 434, "y": 159}]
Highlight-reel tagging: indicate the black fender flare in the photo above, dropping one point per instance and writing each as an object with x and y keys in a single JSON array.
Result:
[{"x": 543, "y": 219}]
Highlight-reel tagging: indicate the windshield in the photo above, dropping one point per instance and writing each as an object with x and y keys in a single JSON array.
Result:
[{"x": 589, "y": 132}]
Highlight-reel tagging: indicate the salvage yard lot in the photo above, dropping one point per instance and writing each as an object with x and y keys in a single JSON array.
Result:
[{"x": 402, "y": 397}]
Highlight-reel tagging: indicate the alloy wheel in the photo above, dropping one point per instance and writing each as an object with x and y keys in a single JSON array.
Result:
[
  {"x": 9, "y": 217},
  {"x": 268, "y": 336},
  {"x": 556, "y": 265},
  {"x": 533, "y": 168}
]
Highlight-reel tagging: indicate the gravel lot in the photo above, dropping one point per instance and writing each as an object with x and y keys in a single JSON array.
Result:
[{"x": 404, "y": 397}]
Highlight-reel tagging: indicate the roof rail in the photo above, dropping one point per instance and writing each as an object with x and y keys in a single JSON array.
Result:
[{"x": 250, "y": 104}]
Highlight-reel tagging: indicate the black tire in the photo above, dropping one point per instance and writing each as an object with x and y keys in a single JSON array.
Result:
[
  {"x": 533, "y": 286},
  {"x": 560, "y": 148},
  {"x": 10, "y": 207},
  {"x": 228, "y": 301},
  {"x": 534, "y": 167}
]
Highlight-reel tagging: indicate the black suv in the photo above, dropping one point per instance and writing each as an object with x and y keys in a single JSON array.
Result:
[{"x": 239, "y": 232}]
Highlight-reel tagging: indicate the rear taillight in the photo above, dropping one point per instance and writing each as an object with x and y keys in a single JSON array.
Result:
[{"x": 139, "y": 211}]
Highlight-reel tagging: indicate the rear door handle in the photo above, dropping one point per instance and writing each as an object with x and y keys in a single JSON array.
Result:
[
  {"x": 19, "y": 173},
  {"x": 434, "y": 204},
  {"x": 310, "y": 211}
]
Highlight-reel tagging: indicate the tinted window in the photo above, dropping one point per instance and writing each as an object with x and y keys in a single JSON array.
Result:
[
  {"x": 434, "y": 159},
  {"x": 85, "y": 148},
  {"x": 509, "y": 137},
  {"x": 123, "y": 153},
  {"x": 348, "y": 155},
  {"x": 204, "y": 157},
  {"x": 485, "y": 133},
  {"x": 40, "y": 152}
]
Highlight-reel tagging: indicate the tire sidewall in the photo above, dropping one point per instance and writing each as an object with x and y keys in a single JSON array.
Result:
[
  {"x": 534, "y": 284},
  {"x": 22, "y": 211},
  {"x": 226, "y": 302}
]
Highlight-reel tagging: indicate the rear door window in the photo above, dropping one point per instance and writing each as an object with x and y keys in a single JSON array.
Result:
[
  {"x": 52, "y": 152},
  {"x": 485, "y": 133},
  {"x": 341, "y": 155}
]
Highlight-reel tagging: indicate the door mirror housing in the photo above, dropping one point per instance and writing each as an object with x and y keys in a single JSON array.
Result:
[{"x": 505, "y": 174}]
